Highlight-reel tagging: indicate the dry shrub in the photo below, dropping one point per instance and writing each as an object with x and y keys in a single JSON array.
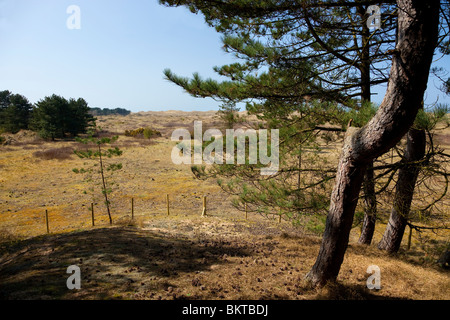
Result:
[
  {"x": 22, "y": 138},
  {"x": 28, "y": 145},
  {"x": 126, "y": 221},
  {"x": 63, "y": 153},
  {"x": 146, "y": 142},
  {"x": 146, "y": 133},
  {"x": 339, "y": 291},
  {"x": 106, "y": 134}
]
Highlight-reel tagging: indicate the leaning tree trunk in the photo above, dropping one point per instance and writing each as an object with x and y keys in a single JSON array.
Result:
[
  {"x": 370, "y": 199},
  {"x": 417, "y": 38},
  {"x": 407, "y": 177}
]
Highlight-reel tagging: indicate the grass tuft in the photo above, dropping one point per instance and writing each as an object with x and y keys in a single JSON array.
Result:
[{"x": 62, "y": 153}]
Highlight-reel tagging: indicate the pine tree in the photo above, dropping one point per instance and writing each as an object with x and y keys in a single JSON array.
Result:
[
  {"x": 421, "y": 163},
  {"x": 56, "y": 117},
  {"x": 100, "y": 172},
  {"x": 228, "y": 113},
  {"x": 261, "y": 35},
  {"x": 295, "y": 51},
  {"x": 15, "y": 112}
]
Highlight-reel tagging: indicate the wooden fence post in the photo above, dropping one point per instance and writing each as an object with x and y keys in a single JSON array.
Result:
[
  {"x": 168, "y": 206},
  {"x": 92, "y": 213},
  {"x": 132, "y": 208},
  {"x": 46, "y": 220},
  {"x": 204, "y": 206}
]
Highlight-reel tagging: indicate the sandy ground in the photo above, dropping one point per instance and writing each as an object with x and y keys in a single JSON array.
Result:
[{"x": 176, "y": 256}]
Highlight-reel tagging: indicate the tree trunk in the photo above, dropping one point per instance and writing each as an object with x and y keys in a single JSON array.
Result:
[
  {"x": 370, "y": 207},
  {"x": 370, "y": 199},
  {"x": 407, "y": 177},
  {"x": 417, "y": 38},
  {"x": 344, "y": 199},
  {"x": 104, "y": 189}
]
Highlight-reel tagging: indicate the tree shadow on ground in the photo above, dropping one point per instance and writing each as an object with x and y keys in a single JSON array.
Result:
[
  {"x": 415, "y": 256},
  {"x": 340, "y": 291},
  {"x": 112, "y": 261}
]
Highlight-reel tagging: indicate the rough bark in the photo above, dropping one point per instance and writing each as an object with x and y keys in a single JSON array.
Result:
[
  {"x": 370, "y": 207},
  {"x": 370, "y": 201},
  {"x": 407, "y": 177},
  {"x": 417, "y": 37}
]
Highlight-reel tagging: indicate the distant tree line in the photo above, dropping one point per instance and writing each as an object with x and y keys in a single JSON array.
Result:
[
  {"x": 52, "y": 117},
  {"x": 106, "y": 112}
]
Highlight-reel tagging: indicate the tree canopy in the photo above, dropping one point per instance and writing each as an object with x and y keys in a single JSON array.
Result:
[
  {"x": 57, "y": 117},
  {"x": 15, "y": 111},
  {"x": 308, "y": 63},
  {"x": 106, "y": 111}
]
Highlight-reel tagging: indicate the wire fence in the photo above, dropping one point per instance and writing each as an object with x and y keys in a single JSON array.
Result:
[{"x": 134, "y": 211}]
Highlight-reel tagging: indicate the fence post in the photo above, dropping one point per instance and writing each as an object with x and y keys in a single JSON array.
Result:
[
  {"x": 132, "y": 208},
  {"x": 168, "y": 206},
  {"x": 46, "y": 220},
  {"x": 204, "y": 206},
  {"x": 92, "y": 214}
]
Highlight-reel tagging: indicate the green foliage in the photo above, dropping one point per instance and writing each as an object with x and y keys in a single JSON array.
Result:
[
  {"x": 301, "y": 69},
  {"x": 228, "y": 113},
  {"x": 200, "y": 172},
  {"x": 15, "y": 112},
  {"x": 428, "y": 120},
  {"x": 360, "y": 116},
  {"x": 106, "y": 112},
  {"x": 135, "y": 132},
  {"x": 150, "y": 133},
  {"x": 316, "y": 224},
  {"x": 96, "y": 170},
  {"x": 296, "y": 191},
  {"x": 447, "y": 86},
  {"x": 57, "y": 117},
  {"x": 146, "y": 133}
]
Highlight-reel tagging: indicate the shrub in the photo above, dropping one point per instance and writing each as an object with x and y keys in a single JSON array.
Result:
[
  {"x": 63, "y": 153},
  {"x": 150, "y": 133},
  {"x": 143, "y": 133},
  {"x": 134, "y": 133}
]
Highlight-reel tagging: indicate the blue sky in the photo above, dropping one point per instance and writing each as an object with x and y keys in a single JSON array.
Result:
[{"x": 118, "y": 56}]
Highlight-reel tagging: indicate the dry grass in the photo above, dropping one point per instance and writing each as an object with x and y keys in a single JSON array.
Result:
[
  {"x": 181, "y": 256},
  {"x": 63, "y": 153},
  {"x": 195, "y": 258}
]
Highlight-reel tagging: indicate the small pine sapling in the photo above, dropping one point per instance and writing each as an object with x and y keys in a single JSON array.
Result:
[{"x": 98, "y": 154}]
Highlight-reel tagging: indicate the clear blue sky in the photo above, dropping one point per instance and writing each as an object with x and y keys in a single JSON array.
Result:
[{"x": 118, "y": 56}]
